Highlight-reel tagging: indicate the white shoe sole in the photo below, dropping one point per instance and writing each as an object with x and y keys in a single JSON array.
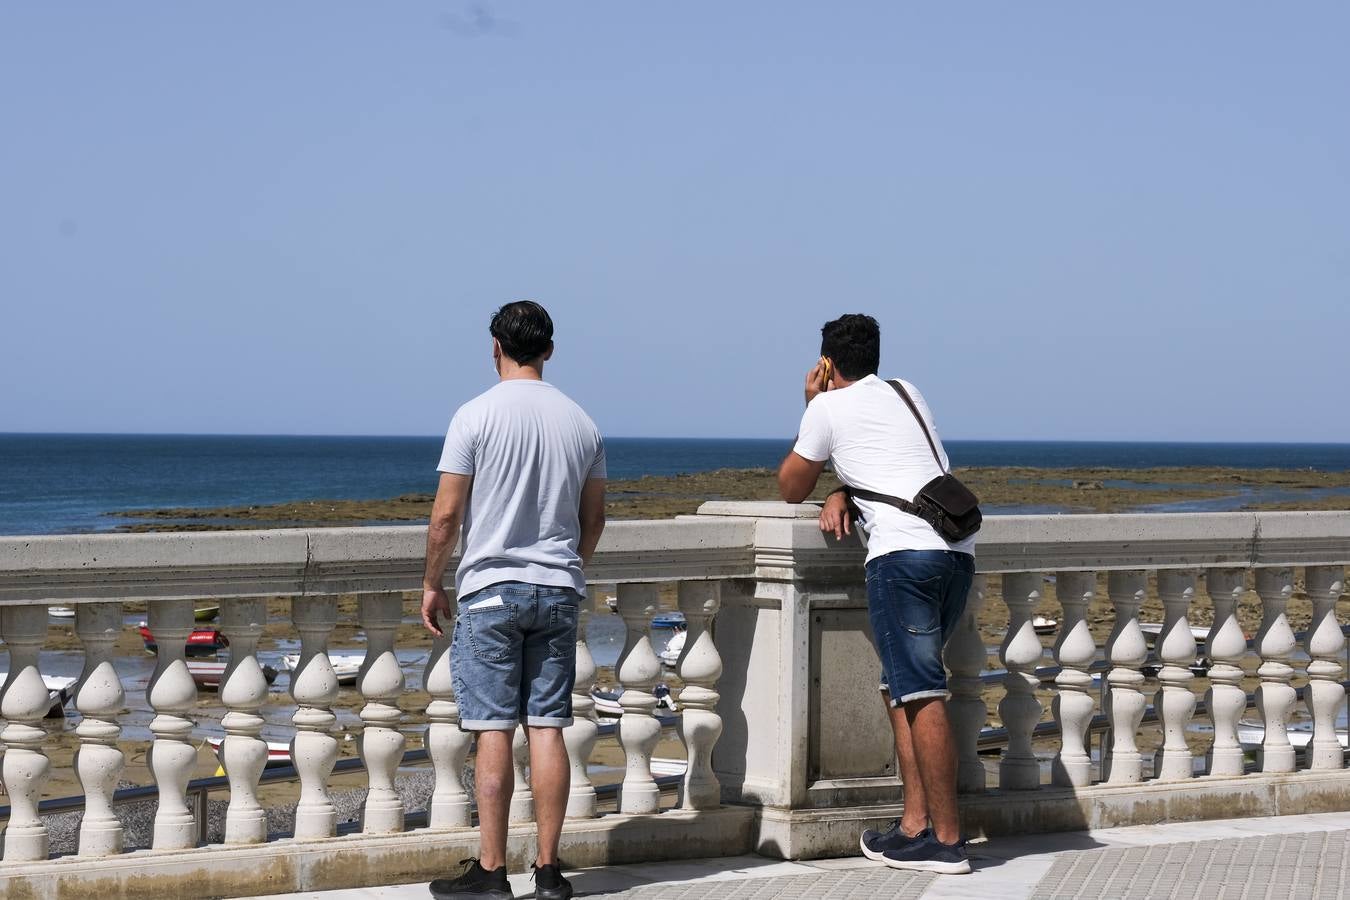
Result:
[
  {"x": 928, "y": 865},
  {"x": 870, "y": 854}
]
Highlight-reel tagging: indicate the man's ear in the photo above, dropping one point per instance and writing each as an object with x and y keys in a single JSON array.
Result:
[{"x": 548, "y": 354}]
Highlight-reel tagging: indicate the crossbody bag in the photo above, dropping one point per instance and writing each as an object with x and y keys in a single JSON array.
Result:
[{"x": 945, "y": 503}]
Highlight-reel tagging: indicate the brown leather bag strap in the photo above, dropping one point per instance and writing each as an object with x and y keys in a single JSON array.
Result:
[{"x": 904, "y": 395}]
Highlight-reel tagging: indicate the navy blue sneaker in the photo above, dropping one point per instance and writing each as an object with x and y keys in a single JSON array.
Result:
[
  {"x": 930, "y": 855},
  {"x": 875, "y": 843},
  {"x": 474, "y": 884}
]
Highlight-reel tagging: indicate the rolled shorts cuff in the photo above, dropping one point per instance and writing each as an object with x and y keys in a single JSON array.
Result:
[
  {"x": 921, "y": 695},
  {"x": 488, "y": 724},
  {"x": 548, "y": 721}
]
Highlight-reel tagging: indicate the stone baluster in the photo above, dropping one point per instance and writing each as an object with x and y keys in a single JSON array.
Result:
[
  {"x": 1073, "y": 703},
  {"x": 637, "y": 670},
  {"x": 1126, "y": 650},
  {"x": 1175, "y": 701},
  {"x": 381, "y": 684},
  {"x": 314, "y": 688},
  {"x": 243, "y": 690},
  {"x": 1325, "y": 644},
  {"x": 1225, "y": 646},
  {"x": 967, "y": 657},
  {"x": 172, "y": 693},
  {"x": 580, "y": 736},
  {"x": 25, "y": 701},
  {"x": 522, "y": 798},
  {"x": 447, "y": 745},
  {"x": 1019, "y": 709},
  {"x": 1275, "y": 696},
  {"x": 700, "y": 667},
  {"x": 99, "y": 699}
]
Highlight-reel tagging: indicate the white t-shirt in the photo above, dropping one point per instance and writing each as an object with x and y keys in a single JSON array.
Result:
[
  {"x": 875, "y": 443},
  {"x": 530, "y": 451}
]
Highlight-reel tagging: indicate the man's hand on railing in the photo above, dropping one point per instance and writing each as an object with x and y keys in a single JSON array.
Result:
[
  {"x": 834, "y": 515},
  {"x": 435, "y": 605}
]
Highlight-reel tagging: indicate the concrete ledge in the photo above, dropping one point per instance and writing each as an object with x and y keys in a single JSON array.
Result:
[
  {"x": 289, "y": 866},
  {"x": 821, "y": 833}
]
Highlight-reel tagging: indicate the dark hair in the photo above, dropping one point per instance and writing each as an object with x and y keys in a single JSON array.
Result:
[
  {"x": 524, "y": 330},
  {"x": 854, "y": 343}
]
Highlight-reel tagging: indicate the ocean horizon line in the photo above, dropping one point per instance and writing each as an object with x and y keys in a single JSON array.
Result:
[{"x": 634, "y": 437}]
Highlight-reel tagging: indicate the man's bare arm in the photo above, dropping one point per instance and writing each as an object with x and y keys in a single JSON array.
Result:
[
  {"x": 797, "y": 477},
  {"x": 592, "y": 515},
  {"x": 447, "y": 514}
]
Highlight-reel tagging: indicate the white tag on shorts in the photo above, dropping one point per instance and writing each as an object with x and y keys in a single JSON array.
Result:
[{"x": 488, "y": 603}]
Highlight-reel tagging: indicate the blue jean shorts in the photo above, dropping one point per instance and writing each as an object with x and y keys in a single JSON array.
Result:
[
  {"x": 914, "y": 599},
  {"x": 513, "y": 656}
]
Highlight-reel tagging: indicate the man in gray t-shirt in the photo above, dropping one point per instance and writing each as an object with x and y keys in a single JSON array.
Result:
[{"x": 523, "y": 473}]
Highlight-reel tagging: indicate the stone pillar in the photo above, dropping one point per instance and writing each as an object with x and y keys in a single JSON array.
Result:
[
  {"x": 25, "y": 701},
  {"x": 447, "y": 745},
  {"x": 1073, "y": 703},
  {"x": 700, "y": 666},
  {"x": 1325, "y": 643},
  {"x": 1175, "y": 701},
  {"x": 1019, "y": 709},
  {"x": 314, "y": 687},
  {"x": 243, "y": 689},
  {"x": 522, "y": 798},
  {"x": 1225, "y": 646},
  {"x": 1275, "y": 697},
  {"x": 637, "y": 670},
  {"x": 1126, "y": 650},
  {"x": 967, "y": 657},
  {"x": 580, "y": 736},
  {"x": 171, "y": 694},
  {"x": 381, "y": 684},
  {"x": 99, "y": 699}
]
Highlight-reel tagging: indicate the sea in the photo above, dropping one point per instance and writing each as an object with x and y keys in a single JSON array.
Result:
[{"x": 72, "y": 483}]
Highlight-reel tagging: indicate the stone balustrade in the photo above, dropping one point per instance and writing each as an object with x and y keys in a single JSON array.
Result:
[{"x": 787, "y": 750}]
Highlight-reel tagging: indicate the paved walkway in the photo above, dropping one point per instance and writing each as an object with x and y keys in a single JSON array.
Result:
[{"x": 1304, "y": 857}]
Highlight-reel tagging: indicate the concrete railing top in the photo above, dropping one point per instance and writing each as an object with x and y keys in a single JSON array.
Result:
[{"x": 726, "y": 539}]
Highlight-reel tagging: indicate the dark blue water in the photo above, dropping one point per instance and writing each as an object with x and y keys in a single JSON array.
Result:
[{"x": 64, "y": 483}]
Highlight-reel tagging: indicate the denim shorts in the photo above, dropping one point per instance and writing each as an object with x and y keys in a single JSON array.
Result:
[
  {"x": 914, "y": 599},
  {"x": 513, "y": 656}
]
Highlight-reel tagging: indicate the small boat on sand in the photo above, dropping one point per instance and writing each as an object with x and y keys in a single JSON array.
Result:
[
  {"x": 346, "y": 666},
  {"x": 61, "y": 612},
  {"x": 206, "y": 613},
  {"x": 60, "y": 691},
  {"x": 1042, "y": 625},
  {"x": 1251, "y": 734},
  {"x": 208, "y": 672},
  {"x": 201, "y": 642},
  {"x": 278, "y": 754},
  {"x": 674, "y": 647}
]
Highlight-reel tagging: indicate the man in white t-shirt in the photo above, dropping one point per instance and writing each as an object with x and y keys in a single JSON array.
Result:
[
  {"x": 523, "y": 473},
  {"x": 916, "y": 580}
]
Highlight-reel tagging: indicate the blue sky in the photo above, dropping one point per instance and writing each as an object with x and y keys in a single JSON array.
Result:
[{"x": 1073, "y": 221}]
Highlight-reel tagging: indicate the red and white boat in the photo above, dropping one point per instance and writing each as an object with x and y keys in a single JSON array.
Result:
[
  {"x": 278, "y": 754},
  {"x": 201, "y": 642}
]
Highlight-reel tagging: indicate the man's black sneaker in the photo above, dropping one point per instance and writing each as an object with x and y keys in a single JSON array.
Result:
[
  {"x": 930, "y": 855},
  {"x": 475, "y": 883},
  {"x": 875, "y": 843},
  {"x": 549, "y": 883}
]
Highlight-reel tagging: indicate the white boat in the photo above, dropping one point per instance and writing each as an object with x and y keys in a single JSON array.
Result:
[
  {"x": 674, "y": 647},
  {"x": 61, "y": 612},
  {"x": 1251, "y": 734},
  {"x": 1152, "y": 630},
  {"x": 60, "y": 690},
  {"x": 1042, "y": 625},
  {"x": 346, "y": 666},
  {"x": 668, "y": 766}
]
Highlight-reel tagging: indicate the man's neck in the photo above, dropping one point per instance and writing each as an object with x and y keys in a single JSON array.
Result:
[{"x": 512, "y": 371}]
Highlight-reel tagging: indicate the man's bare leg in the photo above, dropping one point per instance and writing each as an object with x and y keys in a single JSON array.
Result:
[
  {"x": 494, "y": 781},
  {"x": 550, "y": 781},
  {"x": 935, "y": 755},
  {"x": 915, "y": 817}
]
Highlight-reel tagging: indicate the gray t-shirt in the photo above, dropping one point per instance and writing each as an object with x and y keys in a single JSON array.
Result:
[{"x": 530, "y": 450}]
